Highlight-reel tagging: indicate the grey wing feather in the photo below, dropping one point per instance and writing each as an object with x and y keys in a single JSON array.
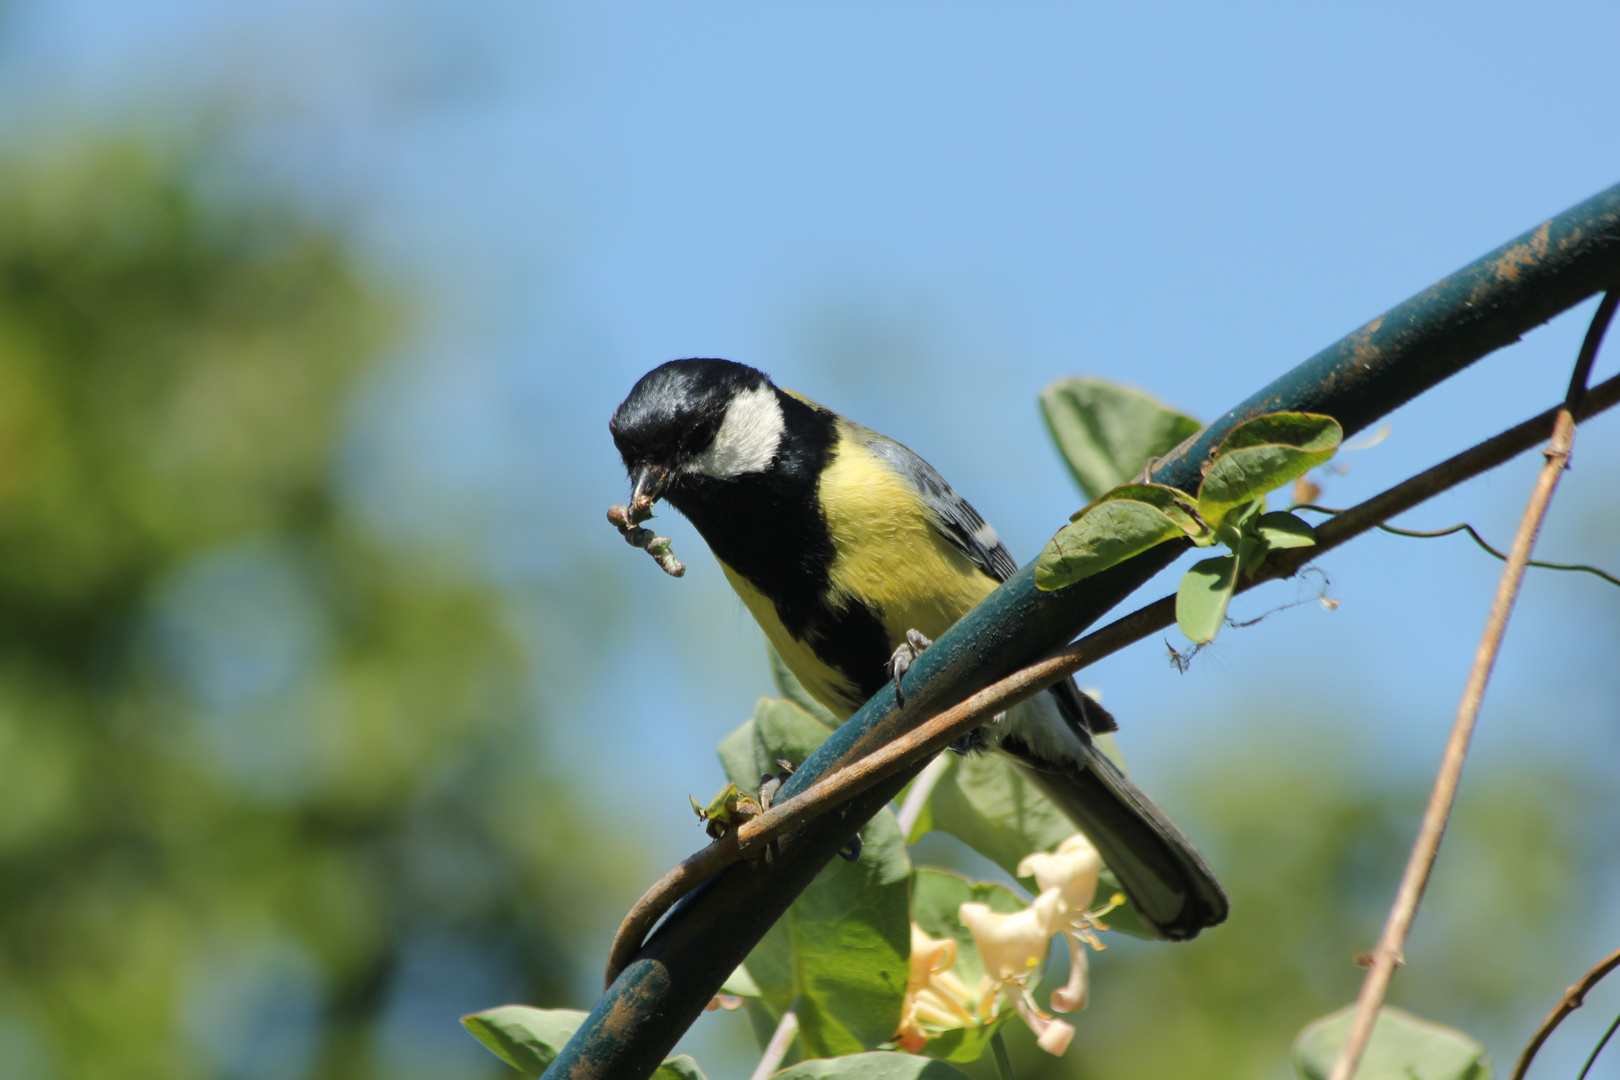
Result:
[{"x": 950, "y": 514}]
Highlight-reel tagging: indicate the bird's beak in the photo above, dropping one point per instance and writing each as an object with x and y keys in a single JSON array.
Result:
[{"x": 649, "y": 482}]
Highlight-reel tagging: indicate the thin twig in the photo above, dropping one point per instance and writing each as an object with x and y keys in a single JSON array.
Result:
[
  {"x": 1572, "y": 1000},
  {"x": 777, "y": 1048},
  {"x": 1589, "y": 350},
  {"x": 917, "y": 795},
  {"x": 1433, "y": 534},
  {"x": 1598, "y": 1049},
  {"x": 1420, "y": 864},
  {"x": 1109, "y": 639}
]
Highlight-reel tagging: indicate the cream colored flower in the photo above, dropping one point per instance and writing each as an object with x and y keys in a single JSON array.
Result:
[
  {"x": 936, "y": 1000},
  {"x": 1013, "y": 947},
  {"x": 1072, "y": 870}
]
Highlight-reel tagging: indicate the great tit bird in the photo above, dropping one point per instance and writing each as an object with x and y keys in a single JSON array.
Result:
[{"x": 846, "y": 546}]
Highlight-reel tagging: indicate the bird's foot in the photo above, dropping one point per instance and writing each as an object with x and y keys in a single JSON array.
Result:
[
  {"x": 903, "y": 658},
  {"x": 769, "y": 785},
  {"x": 976, "y": 739}
]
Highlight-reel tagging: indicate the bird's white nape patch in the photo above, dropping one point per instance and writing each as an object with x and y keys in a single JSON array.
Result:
[{"x": 748, "y": 437}]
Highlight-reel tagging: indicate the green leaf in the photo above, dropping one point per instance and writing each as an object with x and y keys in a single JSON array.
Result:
[
  {"x": 1307, "y": 432},
  {"x": 778, "y": 729},
  {"x": 530, "y": 1039},
  {"x": 983, "y": 801},
  {"x": 841, "y": 954},
  {"x": 986, "y": 802},
  {"x": 1123, "y": 523},
  {"x": 1403, "y": 1047},
  {"x": 740, "y": 984},
  {"x": 683, "y": 1067},
  {"x": 1262, "y": 455},
  {"x": 1238, "y": 526},
  {"x": 1202, "y": 597},
  {"x": 526, "y": 1039},
  {"x": 882, "y": 1065},
  {"x": 1107, "y": 433},
  {"x": 1280, "y": 529},
  {"x": 789, "y": 686}
]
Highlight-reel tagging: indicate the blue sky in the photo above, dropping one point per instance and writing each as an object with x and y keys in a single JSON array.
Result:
[{"x": 920, "y": 214}]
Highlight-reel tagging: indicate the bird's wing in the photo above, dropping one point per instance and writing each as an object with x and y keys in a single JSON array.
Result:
[
  {"x": 956, "y": 520},
  {"x": 950, "y": 514}
]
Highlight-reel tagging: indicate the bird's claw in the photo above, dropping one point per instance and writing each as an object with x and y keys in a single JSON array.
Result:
[{"x": 903, "y": 658}]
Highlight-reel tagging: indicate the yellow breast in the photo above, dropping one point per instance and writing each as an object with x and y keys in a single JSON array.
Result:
[{"x": 888, "y": 554}]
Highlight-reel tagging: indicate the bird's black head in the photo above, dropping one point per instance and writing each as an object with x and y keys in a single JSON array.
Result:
[{"x": 689, "y": 418}]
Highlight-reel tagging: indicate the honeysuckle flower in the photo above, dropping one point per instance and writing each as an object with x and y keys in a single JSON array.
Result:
[
  {"x": 1013, "y": 947},
  {"x": 1076, "y": 992},
  {"x": 1072, "y": 870},
  {"x": 936, "y": 1000},
  {"x": 1071, "y": 873}
]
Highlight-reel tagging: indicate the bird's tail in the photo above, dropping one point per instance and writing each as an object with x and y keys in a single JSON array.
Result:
[{"x": 1163, "y": 875}]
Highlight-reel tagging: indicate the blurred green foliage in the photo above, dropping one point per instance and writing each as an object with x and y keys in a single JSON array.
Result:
[{"x": 269, "y": 787}]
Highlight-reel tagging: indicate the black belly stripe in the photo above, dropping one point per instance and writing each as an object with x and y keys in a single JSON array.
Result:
[
  {"x": 768, "y": 527},
  {"x": 854, "y": 642}
]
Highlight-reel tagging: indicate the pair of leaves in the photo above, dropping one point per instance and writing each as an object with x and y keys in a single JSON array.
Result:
[
  {"x": 1402, "y": 1047},
  {"x": 1208, "y": 587},
  {"x": 840, "y": 956},
  {"x": 1258, "y": 456},
  {"x": 530, "y": 1039},
  {"x": 1262, "y": 455},
  {"x": 1107, "y": 433}
]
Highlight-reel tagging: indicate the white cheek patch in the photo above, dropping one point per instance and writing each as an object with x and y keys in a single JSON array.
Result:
[{"x": 748, "y": 437}]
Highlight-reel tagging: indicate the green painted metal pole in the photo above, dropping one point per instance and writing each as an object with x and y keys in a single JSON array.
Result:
[{"x": 1381, "y": 366}]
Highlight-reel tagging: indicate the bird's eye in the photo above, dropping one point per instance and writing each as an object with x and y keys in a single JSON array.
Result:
[{"x": 703, "y": 434}]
